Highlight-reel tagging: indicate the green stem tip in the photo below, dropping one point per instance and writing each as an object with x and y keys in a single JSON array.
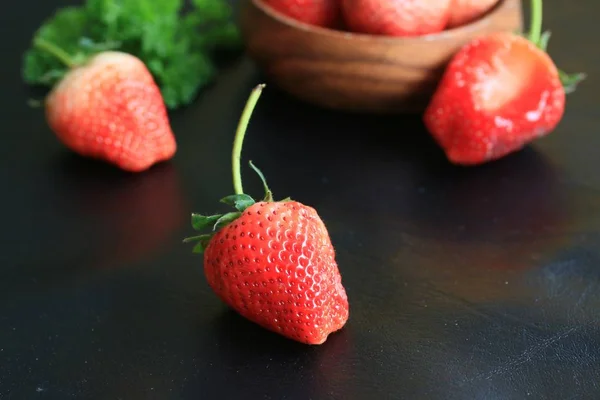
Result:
[
  {"x": 239, "y": 137},
  {"x": 535, "y": 24},
  {"x": 51, "y": 48}
]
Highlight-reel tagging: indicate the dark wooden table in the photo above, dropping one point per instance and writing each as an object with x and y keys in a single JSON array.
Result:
[{"x": 479, "y": 283}]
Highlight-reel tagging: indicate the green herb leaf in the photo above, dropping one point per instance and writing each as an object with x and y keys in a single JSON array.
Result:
[
  {"x": 201, "y": 222},
  {"x": 223, "y": 37},
  {"x": 183, "y": 76},
  {"x": 226, "y": 219},
  {"x": 64, "y": 29},
  {"x": 178, "y": 47},
  {"x": 239, "y": 201},
  {"x": 212, "y": 11},
  {"x": 215, "y": 21}
]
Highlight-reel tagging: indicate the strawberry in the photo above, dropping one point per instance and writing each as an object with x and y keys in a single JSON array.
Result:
[
  {"x": 110, "y": 108},
  {"x": 323, "y": 13},
  {"x": 463, "y": 12},
  {"x": 499, "y": 92},
  {"x": 272, "y": 261},
  {"x": 396, "y": 17}
]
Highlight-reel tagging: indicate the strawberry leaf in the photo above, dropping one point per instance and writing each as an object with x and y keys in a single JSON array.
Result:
[
  {"x": 200, "y": 247},
  {"x": 201, "y": 222},
  {"x": 570, "y": 81},
  {"x": 226, "y": 219},
  {"x": 202, "y": 242},
  {"x": 268, "y": 193},
  {"x": 239, "y": 201},
  {"x": 544, "y": 39}
]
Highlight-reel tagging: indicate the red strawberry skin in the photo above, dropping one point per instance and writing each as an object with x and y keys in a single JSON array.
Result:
[
  {"x": 323, "y": 13},
  {"x": 396, "y": 17},
  {"x": 498, "y": 93},
  {"x": 111, "y": 109},
  {"x": 275, "y": 265},
  {"x": 466, "y": 11}
]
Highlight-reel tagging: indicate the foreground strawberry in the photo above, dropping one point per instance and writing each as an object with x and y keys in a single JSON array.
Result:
[
  {"x": 272, "y": 261},
  {"x": 463, "y": 12},
  {"x": 323, "y": 13},
  {"x": 498, "y": 93},
  {"x": 110, "y": 108},
  {"x": 396, "y": 17}
]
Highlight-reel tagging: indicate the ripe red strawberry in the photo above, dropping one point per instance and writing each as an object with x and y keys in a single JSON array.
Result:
[
  {"x": 324, "y": 13},
  {"x": 396, "y": 17},
  {"x": 465, "y": 11},
  {"x": 110, "y": 108},
  {"x": 498, "y": 93},
  {"x": 273, "y": 261}
]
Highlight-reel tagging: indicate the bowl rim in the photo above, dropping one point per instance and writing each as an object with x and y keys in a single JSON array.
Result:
[{"x": 446, "y": 34}]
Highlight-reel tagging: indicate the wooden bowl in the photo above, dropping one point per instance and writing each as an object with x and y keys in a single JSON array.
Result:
[{"x": 357, "y": 72}]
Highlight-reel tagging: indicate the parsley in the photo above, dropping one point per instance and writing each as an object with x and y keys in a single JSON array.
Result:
[{"x": 177, "y": 46}]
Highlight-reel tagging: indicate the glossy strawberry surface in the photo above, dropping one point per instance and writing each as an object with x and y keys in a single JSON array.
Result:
[
  {"x": 499, "y": 93},
  {"x": 275, "y": 265}
]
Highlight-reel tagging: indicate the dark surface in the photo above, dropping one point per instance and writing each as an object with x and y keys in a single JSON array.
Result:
[{"x": 480, "y": 283}]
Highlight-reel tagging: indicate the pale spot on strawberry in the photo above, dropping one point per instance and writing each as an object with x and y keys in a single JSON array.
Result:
[
  {"x": 502, "y": 123},
  {"x": 537, "y": 114},
  {"x": 511, "y": 96}
]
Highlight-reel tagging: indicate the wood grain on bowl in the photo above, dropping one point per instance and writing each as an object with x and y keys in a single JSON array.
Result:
[{"x": 356, "y": 72}]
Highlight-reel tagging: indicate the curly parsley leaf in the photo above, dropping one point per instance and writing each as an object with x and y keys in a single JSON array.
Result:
[
  {"x": 65, "y": 28},
  {"x": 214, "y": 19},
  {"x": 178, "y": 48}
]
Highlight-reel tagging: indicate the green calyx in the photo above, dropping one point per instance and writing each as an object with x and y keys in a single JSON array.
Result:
[
  {"x": 239, "y": 201},
  {"x": 213, "y": 223},
  {"x": 540, "y": 39}
]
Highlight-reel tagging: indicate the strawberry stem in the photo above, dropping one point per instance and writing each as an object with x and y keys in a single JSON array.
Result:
[
  {"x": 239, "y": 137},
  {"x": 54, "y": 50},
  {"x": 540, "y": 40},
  {"x": 535, "y": 26}
]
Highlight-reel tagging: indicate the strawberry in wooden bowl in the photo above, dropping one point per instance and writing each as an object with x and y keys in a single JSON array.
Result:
[{"x": 386, "y": 57}]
